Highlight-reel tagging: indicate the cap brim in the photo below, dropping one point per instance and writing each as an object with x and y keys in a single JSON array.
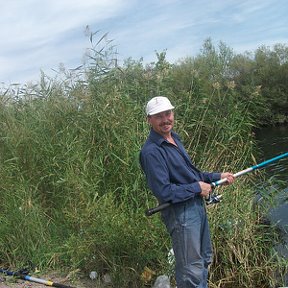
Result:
[{"x": 156, "y": 111}]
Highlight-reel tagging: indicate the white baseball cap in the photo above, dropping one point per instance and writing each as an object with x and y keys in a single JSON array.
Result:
[{"x": 158, "y": 104}]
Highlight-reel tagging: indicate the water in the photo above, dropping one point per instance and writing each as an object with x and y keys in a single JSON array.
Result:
[{"x": 273, "y": 142}]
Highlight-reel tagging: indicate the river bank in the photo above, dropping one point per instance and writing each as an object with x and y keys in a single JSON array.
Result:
[{"x": 79, "y": 281}]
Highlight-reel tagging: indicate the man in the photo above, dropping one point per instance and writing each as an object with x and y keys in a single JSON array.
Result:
[{"x": 173, "y": 178}]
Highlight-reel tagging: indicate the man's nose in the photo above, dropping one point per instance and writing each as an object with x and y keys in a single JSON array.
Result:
[{"x": 164, "y": 117}]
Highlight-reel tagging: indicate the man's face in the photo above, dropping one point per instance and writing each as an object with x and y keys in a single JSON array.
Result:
[{"x": 162, "y": 123}]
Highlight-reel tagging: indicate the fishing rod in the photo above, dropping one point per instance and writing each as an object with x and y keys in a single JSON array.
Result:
[
  {"x": 22, "y": 274},
  {"x": 214, "y": 198}
]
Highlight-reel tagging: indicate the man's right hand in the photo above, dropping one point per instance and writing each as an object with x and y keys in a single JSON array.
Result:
[{"x": 206, "y": 189}]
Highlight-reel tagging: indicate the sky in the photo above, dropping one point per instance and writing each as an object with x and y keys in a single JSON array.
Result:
[{"x": 42, "y": 35}]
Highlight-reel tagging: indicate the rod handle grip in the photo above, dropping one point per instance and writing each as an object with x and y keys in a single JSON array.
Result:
[{"x": 154, "y": 210}]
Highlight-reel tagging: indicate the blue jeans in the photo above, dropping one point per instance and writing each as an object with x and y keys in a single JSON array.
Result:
[{"x": 188, "y": 227}]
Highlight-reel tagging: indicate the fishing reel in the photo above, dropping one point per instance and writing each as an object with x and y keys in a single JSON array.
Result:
[{"x": 213, "y": 199}]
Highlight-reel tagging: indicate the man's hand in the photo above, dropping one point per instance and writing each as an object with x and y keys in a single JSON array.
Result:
[
  {"x": 229, "y": 176},
  {"x": 205, "y": 189}
]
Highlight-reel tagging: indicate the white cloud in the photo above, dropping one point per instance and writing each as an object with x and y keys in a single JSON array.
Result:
[
  {"x": 33, "y": 20},
  {"x": 40, "y": 34}
]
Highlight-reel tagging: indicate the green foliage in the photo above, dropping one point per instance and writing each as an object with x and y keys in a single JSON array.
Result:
[
  {"x": 239, "y": 229},
  {"x": 72, "y": 192},
  {"x": 262, "y": 76}
]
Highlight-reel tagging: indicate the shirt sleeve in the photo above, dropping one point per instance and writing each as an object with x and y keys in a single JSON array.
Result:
[
  {"x": 157, "y": 174},
  {"x": 211, "y": 177}
]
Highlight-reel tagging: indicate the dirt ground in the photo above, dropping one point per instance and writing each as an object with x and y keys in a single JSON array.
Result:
[{"x": 68, "y": 280}]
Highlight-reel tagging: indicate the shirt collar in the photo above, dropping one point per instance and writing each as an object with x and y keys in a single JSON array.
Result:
[{"x": 159, "y": 139}]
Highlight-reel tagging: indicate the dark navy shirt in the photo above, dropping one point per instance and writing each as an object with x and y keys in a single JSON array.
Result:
[{"x": 169, "y": 171}]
